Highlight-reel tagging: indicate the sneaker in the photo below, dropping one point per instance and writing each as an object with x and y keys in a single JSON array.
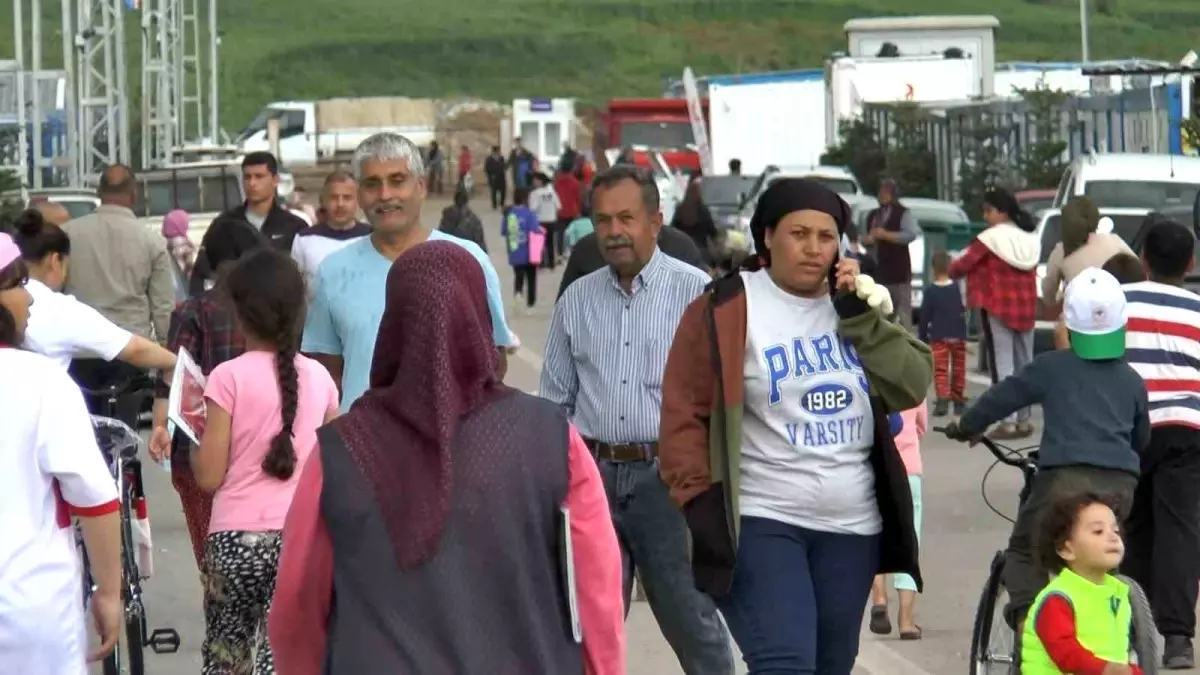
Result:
[
  {"x": 1178, "y": 653},
  {"x": 960, "y": 407},
  {"x": 941, "y": 408}
]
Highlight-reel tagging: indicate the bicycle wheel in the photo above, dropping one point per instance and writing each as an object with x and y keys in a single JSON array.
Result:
[
  {"x": 1145, "y": 639},
  {"x": 992, "y": 641},
  {"x": 135, "y": 628}
]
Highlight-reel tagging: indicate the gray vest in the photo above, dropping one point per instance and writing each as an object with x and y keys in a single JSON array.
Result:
[{"x": 491, "y": 599}]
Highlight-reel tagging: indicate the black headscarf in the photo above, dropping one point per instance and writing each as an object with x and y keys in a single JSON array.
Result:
[{"x": 789, "y": 195}]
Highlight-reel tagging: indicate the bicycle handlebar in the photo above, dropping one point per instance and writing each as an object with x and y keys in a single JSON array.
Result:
[
  {"x": 143, "y": 384},
  {"x": 1003, "y": 454}
]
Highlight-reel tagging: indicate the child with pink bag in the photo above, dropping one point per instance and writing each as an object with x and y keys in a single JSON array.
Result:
[
  {"x": 915, "y": 422},
  {"x": 525, "y": 240}
]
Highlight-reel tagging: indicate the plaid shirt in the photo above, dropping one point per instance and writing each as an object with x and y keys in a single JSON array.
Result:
[
  {"x": 209, "y": 333},
  {"x": 1003, "y": 291}
]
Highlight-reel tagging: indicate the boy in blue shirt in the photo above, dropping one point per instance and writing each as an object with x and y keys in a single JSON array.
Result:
[{"x": 1096, "y": 422}]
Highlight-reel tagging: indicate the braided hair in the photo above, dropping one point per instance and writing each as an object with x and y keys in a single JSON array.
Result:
[{"x": 267, "y": 292}]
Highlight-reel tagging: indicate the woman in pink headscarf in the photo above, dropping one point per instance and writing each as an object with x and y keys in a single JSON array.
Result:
[
  {"x": 448, "y": 523},
  {"x": 175, "y": 231}
]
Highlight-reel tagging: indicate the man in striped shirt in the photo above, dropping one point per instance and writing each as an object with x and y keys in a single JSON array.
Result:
[
  {"x": 605, "y": 356},
  {"x": 1163, "y": 530}
]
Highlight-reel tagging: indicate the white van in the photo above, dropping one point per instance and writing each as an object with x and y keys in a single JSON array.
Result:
[{"x": 1132, "y": 181}]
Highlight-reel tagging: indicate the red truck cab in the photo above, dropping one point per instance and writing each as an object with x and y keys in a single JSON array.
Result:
[{"x": 652, "y": 124}]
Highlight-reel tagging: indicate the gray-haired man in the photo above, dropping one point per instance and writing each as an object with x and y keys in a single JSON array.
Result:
[{"x": 348, "y": 294}]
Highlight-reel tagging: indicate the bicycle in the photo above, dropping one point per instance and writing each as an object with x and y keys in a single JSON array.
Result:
[
  {"x": 120, "y": 444},
  {"x": 993, "y": 641}
]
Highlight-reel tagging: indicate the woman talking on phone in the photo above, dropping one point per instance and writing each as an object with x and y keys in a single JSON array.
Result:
[{"x": 798, "y": 498}]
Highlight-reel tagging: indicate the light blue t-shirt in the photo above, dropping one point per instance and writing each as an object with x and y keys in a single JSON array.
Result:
[{"x": 348, "y": 303}]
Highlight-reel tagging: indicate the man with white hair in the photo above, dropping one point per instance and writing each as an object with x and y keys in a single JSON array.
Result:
[{"x": 348, "y": 300}]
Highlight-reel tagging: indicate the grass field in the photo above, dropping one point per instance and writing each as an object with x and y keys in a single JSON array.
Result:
[{"x": 596, "y": 49}]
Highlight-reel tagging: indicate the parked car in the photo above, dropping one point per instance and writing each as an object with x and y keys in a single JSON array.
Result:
[
  {"x": 837, "y": 178},
  {"x": 926, "y": 212},
  {"x": 1121, "y": 180},
  {"x": 1036, "y": 201},
  {"x": 1125, "y": 223},
  {"x": 78, "y": 202},
  {"x": 723, "y": 195},
  {"x": 203, "y": 189}
]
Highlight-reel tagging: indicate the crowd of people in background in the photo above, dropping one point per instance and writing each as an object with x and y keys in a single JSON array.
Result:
[{"x": 745, "y": 443}]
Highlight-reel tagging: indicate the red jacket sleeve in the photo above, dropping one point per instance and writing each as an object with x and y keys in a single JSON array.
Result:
[
  {"x": 299, "y": 619},
  {"x": 1056, "y": 629},
  {"x": 597, "y": 558},
  {"x": 969, "y": 260}
]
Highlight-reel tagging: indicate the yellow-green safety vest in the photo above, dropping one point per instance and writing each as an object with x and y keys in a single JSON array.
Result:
[{"x": 1103, "y": 618}]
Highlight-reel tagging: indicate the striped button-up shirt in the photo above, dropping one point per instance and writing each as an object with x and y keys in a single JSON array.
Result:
[{"x": 607, "y": 349}]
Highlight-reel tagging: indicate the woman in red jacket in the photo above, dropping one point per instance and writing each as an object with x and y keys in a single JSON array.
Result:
[{"x": 1001, "y": 271}]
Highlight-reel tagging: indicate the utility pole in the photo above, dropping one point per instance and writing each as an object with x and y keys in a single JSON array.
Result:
[{"x": 1083, "y": 29}]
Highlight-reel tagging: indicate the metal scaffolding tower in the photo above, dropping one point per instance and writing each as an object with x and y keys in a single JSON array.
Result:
[
  {"x": 173, "y": 91},
  {"x": 162, "y": 86},
  {"x": 34, "y": 90},
  {"x": 214, "y": 99},
  {"x": 100, "y": 100},
  {"x": 191, "y": 79}
]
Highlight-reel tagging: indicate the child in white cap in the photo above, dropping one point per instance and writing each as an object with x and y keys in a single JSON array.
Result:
[{"x": 1096, "y": 421}]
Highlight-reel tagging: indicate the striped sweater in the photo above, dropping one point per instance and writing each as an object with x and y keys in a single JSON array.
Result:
[{"x": 1163, "y": 346}]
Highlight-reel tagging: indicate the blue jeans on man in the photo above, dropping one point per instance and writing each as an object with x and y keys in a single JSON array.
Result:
[{"x": 654, "y": 540}]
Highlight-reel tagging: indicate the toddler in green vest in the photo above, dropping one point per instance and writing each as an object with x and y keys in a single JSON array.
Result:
[{"x": 1080, "y": 623}]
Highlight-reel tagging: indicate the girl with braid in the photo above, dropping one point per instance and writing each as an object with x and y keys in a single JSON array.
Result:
[{"x": 264, "y": 408}]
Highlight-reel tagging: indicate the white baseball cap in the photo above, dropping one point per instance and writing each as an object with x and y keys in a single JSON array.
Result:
[{"x": 1095, "y": 314}]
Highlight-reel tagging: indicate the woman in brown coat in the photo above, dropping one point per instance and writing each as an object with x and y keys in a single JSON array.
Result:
[{"x": 775, "y": 438}]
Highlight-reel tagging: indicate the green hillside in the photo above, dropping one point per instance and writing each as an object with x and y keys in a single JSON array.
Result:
[{"x": 596, "y": 49}]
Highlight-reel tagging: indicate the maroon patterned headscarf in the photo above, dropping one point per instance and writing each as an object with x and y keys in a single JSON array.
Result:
[{"x": 435, "y": 362}]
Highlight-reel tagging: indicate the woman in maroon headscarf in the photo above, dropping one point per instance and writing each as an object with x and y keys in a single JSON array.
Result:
[{"x": 427, "y": 534}]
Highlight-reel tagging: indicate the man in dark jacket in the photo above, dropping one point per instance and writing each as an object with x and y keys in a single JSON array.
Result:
[
  {"x": 494, "y": 167},
  {"x": 891, "y": 228},
  {"x": 261, "y": 211}
]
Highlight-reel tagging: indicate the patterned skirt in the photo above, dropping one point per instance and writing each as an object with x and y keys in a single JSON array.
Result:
[{"x": 197, "y": 506}]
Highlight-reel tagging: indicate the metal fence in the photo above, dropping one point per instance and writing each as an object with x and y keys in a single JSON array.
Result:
[{"x": 1137, "y": 120}]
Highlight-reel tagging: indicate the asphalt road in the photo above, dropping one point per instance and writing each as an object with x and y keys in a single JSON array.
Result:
[{"x": 961, "y": 533}]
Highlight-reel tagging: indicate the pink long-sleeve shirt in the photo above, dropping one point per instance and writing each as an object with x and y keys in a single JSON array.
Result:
[{"x": 298, "y": 623}]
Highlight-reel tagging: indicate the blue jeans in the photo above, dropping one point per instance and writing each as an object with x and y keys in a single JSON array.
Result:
[
  {"x": 653, "y": 537},
  {"x": 798, "y": 597}
]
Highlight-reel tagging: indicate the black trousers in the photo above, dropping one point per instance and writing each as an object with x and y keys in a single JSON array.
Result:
[
  {"x": 553, "y": 249},
  {"x": 1162, "y": 535},
  {"x": 498, "y": 188},
  {"x": 1023, "y": 577},
  {"x": 525, "y": 281}
]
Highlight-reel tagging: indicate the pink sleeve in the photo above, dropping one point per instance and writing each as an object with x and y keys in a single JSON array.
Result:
[
  {"x": 298, "y": 622},
  {"x": 922, "y": 419},
  {"x": 219, "y": 387},
  {"x": 597, "y": 565}
]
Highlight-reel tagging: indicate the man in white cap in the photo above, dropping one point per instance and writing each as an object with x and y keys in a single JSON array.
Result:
[{"x": 1097, "y": 421}]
